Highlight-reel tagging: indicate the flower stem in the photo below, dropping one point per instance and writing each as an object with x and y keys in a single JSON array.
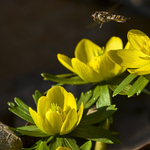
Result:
[{"x": 100, "y": 145}]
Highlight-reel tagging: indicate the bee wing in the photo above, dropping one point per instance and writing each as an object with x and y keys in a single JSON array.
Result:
[
  {"x": 91, "y": 25},
  {"x": 114, "y": 7}
]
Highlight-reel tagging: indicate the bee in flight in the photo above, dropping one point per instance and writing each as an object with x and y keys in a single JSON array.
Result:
[{"x": 103, "y": 16}]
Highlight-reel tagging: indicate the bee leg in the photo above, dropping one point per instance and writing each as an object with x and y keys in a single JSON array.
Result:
[{"x": 101, "y": 25}]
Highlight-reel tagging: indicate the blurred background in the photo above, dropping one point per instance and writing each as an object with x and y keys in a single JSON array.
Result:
[{"x": 33, "y": 32}]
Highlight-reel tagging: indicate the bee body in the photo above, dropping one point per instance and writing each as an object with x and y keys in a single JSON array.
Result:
[{"x": 103, "y": 16}]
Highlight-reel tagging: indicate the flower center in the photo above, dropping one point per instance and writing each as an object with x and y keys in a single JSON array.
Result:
[
  {"x": 54, "y": 107},
  {"x": 59, "y": 110},
  {"x": 95, "y": 63}
]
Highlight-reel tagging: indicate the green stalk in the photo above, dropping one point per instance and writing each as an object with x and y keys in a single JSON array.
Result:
[{"x": 100, "y": 145}]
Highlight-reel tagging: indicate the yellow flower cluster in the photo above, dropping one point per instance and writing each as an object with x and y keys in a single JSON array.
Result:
[
  {"x": 95, "y": 64},
  {"x": 57, "y": 111}
]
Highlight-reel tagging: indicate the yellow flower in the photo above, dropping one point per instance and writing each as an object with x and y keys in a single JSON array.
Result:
[
  {"x": 57, "y": 112},
  {"x": 137, "y": 56},
  {"x": 63, "y": 148},
  {"x": 91, "y": 62}
]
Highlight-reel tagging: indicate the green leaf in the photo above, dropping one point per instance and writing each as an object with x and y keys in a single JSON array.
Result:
[
  {"x": 76, "y": 80},
  {"x": 114, "y": 83},
  {"x": 70, "y": 143},
  {"x": 87, "y": 100},
  {"x": 65, "y": 75},
  {"x": 36, "y": 96},
  {"x": 86, "y": 146},
  {"x": 30, "y": 130},
  {"x": 43, "y": 146},
  {"x": 20, "y": 109},
  {"x": 100, "y": 115},
  {"x": 138, "y": 86},
  {"x": 55, "y": 143},
  {"x": 95, "y": 134},
  {"x": 104, "y": 95},
  {"x": 122, "y": 92},
  {"x": 84, "y": 98},
  {"x": 124, "y": 83},
  {"x": 91, "y": 102}
]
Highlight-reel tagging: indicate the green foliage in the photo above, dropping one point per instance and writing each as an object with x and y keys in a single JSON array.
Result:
[
  {"x": 31, "y": 130},
  {"x": 100, "y": 115},
  {"x": 86, "y": 129},
  {"x": 36, "y": 96},
  {"x": 138, "y": 86},
  {"x": 20, "y": 109},
  {"x": 88, "y": 99},
  {"x": 95, "y": 134},
  {"x": 61, "y": 79},
  {"x": 116, "y": 81},
  {"x": 134, "y": 86},
  {"x": 124, "y": 83},
  {"x": 43, "y": 146},
  {"x": 55, "y": 143},
  {"x": 70, "y": 143},
  {"x": 86, "y": 146},
  {"x": 104, "y": 95}
]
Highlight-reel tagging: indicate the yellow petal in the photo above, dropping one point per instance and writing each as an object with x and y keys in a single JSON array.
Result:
[
  {"x": 109, "y": 69},
  {"x": 56, "y": 95},
  {"x": 137, "y": 38},
  {"x": 113, "y": 44},
  {"x": 70, "y": 102},
  {"x": 86, "y": 50},
  {"x": 141, "y": 71},
  {"x": 43, "y": 106},
  {"x": 55, "y": 122},
  {"x": 63, "y": 148},
  {"x": 39, "y": 121},
  {"x": 85, "y": 72},
  {"x": 65, "y": 100},
  {"x": 128, "y": 46},
  {"x": 70, "y": 122},
  {"x": 65, "y": 61},
  {"x": 80, "y": 113},
  {"x": 130, "y": 58}
]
